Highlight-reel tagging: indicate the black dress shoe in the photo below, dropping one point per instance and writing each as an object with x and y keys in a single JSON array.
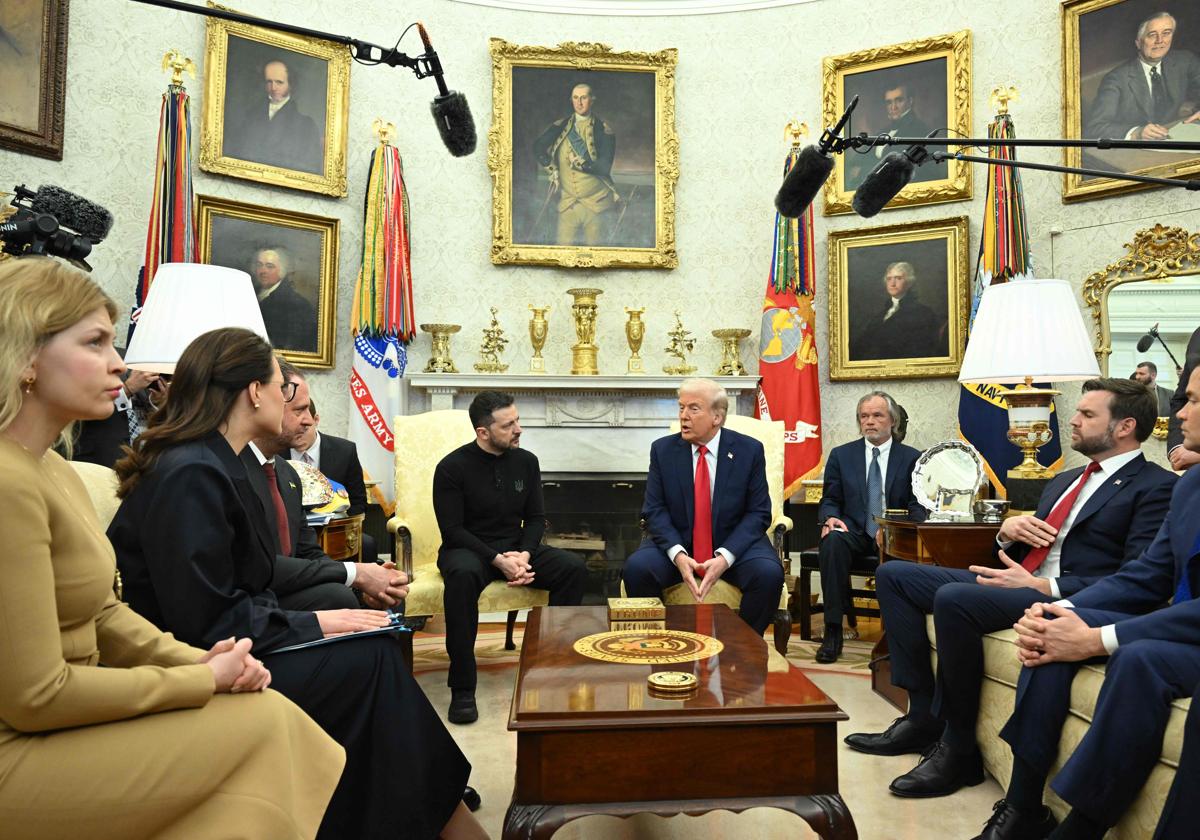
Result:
[
  {"x": 940, "y": 773},
  {"x": 831, "y": 645},
  {"x": 462, "y": 706},
  {"x": 1007, "y": 823},
  {"x": 903, "y": 736},
  {"x": 471, "y": 799}
]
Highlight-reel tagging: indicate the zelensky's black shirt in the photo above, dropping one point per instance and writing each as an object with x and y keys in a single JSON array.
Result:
[{"x": 488, "y": 503}]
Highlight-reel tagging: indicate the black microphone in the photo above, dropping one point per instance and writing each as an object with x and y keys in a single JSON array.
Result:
[
  {"x": 1144, "y": 343},
  {"x": 811, "y": 169},
  {"x": 449, "y": 107},
  {"x": 887, "y": 179},
  {"x": 86, "y": 218}
]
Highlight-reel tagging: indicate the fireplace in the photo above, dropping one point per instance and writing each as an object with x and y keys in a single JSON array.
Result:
[{"x": 598, "y": 518}]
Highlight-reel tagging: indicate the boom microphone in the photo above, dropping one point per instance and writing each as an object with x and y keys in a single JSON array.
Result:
[
  {"x": 80, "y": 215},
  {"x": 449, "y": 107},
  {"x": 887, "y": 179},
  {"x": 1144, "y": 343},
  {"x": 811, "y": 169}
]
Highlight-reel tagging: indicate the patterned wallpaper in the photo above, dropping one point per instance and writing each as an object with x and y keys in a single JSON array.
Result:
[{"x": 740, "y": 78}]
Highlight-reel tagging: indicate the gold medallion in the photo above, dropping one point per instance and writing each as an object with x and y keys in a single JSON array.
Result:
[
  {"x": 672, "y": 681},
  {"x": 648, "y": 647}
]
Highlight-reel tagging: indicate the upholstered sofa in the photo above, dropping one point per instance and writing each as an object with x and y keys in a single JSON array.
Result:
[{"x": 1001, "y": 670}]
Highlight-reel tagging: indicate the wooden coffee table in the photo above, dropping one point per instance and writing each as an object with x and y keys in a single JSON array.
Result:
[{"x": 591, "y": 739}]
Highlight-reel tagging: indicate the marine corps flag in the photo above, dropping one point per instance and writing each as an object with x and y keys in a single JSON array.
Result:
[
  {"x": 787, "y": 359},
  {"x": 381, "y": 321},
  {"x": 1003, "y": 257}
]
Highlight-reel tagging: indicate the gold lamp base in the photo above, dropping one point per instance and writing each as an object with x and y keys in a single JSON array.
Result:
[{"x": 1029, "y": 427}]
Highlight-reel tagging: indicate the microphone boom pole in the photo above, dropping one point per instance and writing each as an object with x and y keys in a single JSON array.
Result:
[{"x": 1192, "y": 184}]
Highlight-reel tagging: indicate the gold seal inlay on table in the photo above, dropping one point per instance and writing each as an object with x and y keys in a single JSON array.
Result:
[{"x": 648, "y": 647}]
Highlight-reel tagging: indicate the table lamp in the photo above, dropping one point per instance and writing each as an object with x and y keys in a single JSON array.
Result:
[
  {"x": 187, "y": 300},
  {"x": 1027, "y": 331}
]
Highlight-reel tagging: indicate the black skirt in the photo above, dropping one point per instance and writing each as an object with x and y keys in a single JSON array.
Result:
[{"x": 404, "y": 774}]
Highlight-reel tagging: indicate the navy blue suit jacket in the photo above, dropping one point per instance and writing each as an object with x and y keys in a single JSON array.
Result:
[
  {"x": 1143, "y": 585},
  {"x": 741, "y": 502},
  {"x": 845, "y": 495},
  {"x": 1115, "y": 525}
]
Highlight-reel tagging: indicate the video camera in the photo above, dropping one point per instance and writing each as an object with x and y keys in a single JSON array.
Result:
[{"x": 54, "y": 222}]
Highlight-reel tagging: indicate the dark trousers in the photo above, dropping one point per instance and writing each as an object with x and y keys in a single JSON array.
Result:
[
  {"x": 1181, "y": 815},
  {"x": 758, "y": 574},
  {"x": 963, "y": 612},
  {"x": 839, "y": 553},
  {"x": 1106, "y": 771},
  {"x": 466, "y": 574}
]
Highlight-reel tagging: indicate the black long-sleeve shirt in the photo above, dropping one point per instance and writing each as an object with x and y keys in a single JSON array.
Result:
[{"x": 488, "y": 503}]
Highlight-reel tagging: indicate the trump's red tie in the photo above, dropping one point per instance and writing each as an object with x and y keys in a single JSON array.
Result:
[
  {"x": 1057, "y": 517},
  {"x": 281, "y": 517},
  {"x": 702, "y": 547}
]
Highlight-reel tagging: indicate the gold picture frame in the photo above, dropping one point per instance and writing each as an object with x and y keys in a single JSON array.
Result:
[
  {"x": 623, "y": 170},
  {"x": 924, "y": 337},
  {"x": 302, "y": 144},
  {"x": 236, "y": 234},
  {"x": 934, "y": 75},
  {"x": 1099, "y": 67},
  {"x": 33, "y": 64}
]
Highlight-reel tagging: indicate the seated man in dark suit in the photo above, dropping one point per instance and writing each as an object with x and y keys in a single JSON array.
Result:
[
  {"x": 1180, "y": 456},
  {"x": 1154, "y": 658},
  {"x": 1181, "y": 813},
  {"x": 707, "y": 510},
  {"x": 862, "y": 479},
  {"x": 1088, "y": 522}
]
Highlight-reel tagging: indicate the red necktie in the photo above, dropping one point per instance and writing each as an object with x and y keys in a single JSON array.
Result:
[
  {"x": 702, "y": 547},
  {"x": 281, "y": 517},
  {"x": 1057, "y": 517}
]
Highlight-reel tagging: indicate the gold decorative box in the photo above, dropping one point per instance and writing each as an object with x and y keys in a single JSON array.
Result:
[{"x": 636, "y": 609}]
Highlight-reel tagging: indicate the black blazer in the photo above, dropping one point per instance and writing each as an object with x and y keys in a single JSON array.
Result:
[
  {"x": 741, "y": 502},
  {"x": 339, "y": 461},
  {"x": 845, "y": 495},
  {"x": 1114, "y": 527},
  {"x": 290, "y": 319},
  {"x": 196, "y": 555},
  {"x": 307, "y": 565}
]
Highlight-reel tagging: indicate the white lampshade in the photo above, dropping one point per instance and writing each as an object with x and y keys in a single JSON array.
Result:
[
  {"x": 1028, "y": 328},
  {"x": 187, "y": 300}
]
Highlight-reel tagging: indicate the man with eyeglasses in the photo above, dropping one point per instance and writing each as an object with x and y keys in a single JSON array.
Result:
[{"x": 304, "y": 577}]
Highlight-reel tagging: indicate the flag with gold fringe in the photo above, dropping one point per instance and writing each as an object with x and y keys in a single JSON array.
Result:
[
  {"x": 789, "y": 389},
  {"x": 381, "y": 321},
  {"x": 171, "y": 235},
  {"x": 1003, "y": 257}
]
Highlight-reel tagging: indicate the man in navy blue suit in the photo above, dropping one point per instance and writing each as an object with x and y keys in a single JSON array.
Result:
[
  {"x": 862, "y": 479},
  {"x": 1154, "y": 658},
  {"x": 707, "y": 472},
  {"x": 1106, "y": 515}
]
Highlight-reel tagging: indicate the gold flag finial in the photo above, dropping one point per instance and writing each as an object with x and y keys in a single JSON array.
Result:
[
  {"x": 178, "y": 64},
  {"x": 1003, "y": 95},
  {"x": 795, "y": 132},
  {"x": 383, "y": 130}
]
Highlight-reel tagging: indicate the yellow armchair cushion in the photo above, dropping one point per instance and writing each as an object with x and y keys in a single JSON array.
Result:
[
  {"x": 425, "y": 596},
  {"x": 101, "y": 484}
]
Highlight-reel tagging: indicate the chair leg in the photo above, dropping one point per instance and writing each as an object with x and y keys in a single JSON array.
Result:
[
  {"x": 509, "y": 644},
  {"x": 805, "y": 577},
  {"x": 783, "y": 631},
  {"x": 406, "y": 649}
]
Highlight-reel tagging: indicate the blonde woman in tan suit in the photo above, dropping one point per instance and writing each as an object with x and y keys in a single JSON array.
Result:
[{"x": 164, "y": 740}]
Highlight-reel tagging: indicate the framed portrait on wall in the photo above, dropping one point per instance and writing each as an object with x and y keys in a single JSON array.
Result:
[
  {"x": 899, "y": 300},
  {"x": 1131, "y": 71},
  {"x": 292, "y": 259},
  {"x": 33, "y": 74},
  {"x": 276, "y": 108},
  {"x": 583, "y": 155},
  {"x": 903, "y": 90}
]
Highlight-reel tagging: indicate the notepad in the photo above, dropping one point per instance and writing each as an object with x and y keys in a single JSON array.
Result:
[{"x": 391, "y": 628}]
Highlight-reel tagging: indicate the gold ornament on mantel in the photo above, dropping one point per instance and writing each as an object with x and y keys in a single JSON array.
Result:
[
  {"x": 635, "y": 331},
  {"x": 680, "y": 346},
  {"x": 178, "y": 64},
  {"x": 731, "y": 357},
  {"x": 493, "y": 345},
  {"x": 539, "y": 328},
  {"x": 584, "y": 352},
  {"x": 439, "y": 357}
]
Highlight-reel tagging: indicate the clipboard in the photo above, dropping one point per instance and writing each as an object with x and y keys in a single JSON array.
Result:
[{"x": 391, "y": 628}]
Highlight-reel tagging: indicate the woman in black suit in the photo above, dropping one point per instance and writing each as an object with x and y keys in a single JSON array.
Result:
[{"x": 196, "y": 559}]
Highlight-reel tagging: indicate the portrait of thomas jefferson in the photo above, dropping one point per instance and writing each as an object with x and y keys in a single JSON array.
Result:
[{"x": 889, "y": 320}]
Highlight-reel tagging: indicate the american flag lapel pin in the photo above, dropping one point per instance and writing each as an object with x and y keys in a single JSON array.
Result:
[
  {"x": 729, "y": 455},
  {"x": 1118, "y": 481}
]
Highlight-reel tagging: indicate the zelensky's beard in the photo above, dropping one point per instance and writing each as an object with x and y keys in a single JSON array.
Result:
[{"x": 1097, "y": 443}]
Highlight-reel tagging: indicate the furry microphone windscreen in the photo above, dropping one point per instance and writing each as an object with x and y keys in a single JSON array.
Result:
[
  {"x": 800, "y": 186},
  {"x": 80, "y": 215},
  {"x": 882, "y": 184},
  {"x": 454, "y": 123}
]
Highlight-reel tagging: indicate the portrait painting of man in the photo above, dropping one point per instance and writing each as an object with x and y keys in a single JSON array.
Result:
[
  {"x": 33, "y": 56},
  {"x": 1134, "y": 70}
]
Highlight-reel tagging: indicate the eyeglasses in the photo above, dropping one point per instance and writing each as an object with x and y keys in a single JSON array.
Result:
[{"x": 289, "y": 390}]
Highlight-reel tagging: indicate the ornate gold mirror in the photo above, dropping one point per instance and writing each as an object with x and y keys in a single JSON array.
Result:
[{"x": 1156, "y": 285}]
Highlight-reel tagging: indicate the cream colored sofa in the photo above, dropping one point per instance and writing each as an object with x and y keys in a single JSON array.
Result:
[{"x": 1001, "y": 670}]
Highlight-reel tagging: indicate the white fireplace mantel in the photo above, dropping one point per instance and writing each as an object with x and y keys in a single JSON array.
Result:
[{"x": 578, "y": 424}]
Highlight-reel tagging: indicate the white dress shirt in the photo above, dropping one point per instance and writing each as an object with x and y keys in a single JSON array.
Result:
[
  {"x": 313, "y": 452},
  {"x": 351, "y": 572},
  {"x": 713, "y": 446},
  {"x": 273, "y": 106}
]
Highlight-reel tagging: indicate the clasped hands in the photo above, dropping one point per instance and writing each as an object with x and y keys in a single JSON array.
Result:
[
  {"x": 380, "y": 584},
  {"x": 1055, "y": 633},
  {"x": 708, "y": 572},
  {"x": 514, "y": 565},
  {"x": 234, "y": 669}
]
